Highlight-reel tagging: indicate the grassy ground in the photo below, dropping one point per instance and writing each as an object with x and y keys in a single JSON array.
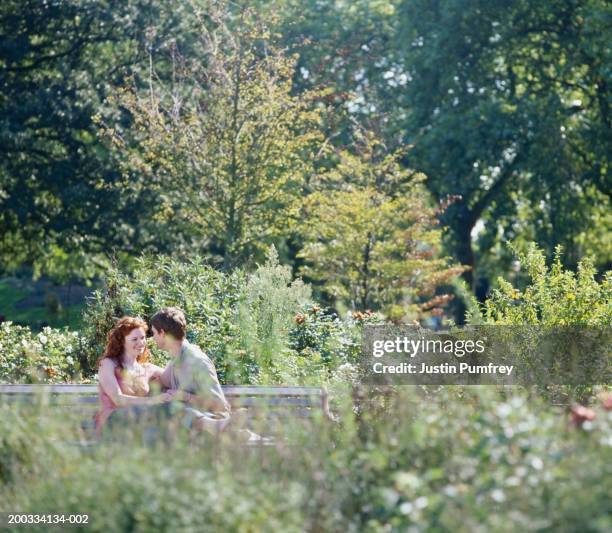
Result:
[{"x": 41, "y": 303}]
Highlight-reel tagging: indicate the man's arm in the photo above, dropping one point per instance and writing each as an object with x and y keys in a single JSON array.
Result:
[
  {"x": 164, "y": 377},
  {"x": 206, "y": 404}
]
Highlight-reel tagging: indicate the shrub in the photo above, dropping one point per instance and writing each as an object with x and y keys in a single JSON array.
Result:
[
  {"x": 322, "y": 343},
  {"x": 271, "y": 298},
  {"x": 51, "y": 356},
  {"x": 554, "y": 297}
]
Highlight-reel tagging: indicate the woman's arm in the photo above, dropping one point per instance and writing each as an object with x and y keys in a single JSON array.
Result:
[
  {"x": 154, "y": 374},
  {"x": 108, "y": 382},
  {"x": 153, "y": 371}
]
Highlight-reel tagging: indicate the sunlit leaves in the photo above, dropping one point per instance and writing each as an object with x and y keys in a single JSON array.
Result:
[
  {"x": 226, "y": 145},
  {"x": 371, "y": 238}
]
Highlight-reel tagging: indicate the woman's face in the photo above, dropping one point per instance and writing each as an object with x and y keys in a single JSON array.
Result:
[{"x": 135, "y": 342}]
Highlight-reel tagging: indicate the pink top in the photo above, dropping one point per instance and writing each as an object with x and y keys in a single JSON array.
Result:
[{"x": 132, "y": 383}]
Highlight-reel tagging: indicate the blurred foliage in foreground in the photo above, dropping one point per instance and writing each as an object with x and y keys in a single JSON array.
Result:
[{"x": 462, "y": 461}]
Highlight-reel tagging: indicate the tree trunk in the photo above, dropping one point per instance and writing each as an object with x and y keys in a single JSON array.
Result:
[
  {"x": 465, "y": 255},
  {"x": 365, "y": 283},
  {"x": 462, "y": 221}
]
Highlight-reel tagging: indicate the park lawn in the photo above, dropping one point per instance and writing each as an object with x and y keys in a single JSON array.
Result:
[{"x": 13, "y": 292}]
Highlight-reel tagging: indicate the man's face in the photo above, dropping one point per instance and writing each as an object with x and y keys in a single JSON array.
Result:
[{"x": 159, "y": 336}]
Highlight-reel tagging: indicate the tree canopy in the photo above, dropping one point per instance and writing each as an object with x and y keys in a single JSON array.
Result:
[
  {"x": 224, "y": 144},
  {"x": 229, "y": 114}
]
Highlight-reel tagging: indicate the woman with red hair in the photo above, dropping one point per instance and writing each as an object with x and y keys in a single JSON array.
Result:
[{"x": 124, "y": 371}]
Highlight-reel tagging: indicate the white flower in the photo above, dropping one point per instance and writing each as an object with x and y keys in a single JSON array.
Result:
[
  {"x": 421, "y": 502},
  {"x": 406, "y": 508},
  {"x": 450, "y": 491},
  {"x": 498, "y": 495}
]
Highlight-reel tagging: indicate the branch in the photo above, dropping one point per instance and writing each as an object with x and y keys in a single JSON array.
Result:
[{"x": 489, "y": 195}]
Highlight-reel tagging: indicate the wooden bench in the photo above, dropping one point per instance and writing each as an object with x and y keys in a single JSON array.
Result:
[{"x": 271, "y": 403}]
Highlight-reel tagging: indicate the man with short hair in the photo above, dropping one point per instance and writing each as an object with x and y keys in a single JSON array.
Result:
[{"x": 190, "y": 376}]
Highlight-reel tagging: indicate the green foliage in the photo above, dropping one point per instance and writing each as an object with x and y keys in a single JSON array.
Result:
[
  {"x": 504, "y": 103},
  {"x": 327, "y": 342},
  {"x": 51, "y": 356},
  {"x": 465, "y": 460},
  {"x": 226, "y": 145},
  {"x": 346, "y": 47},
  {"x": 470, "y": 461},
  {"x": 370, "y": 233},
  {"x": 58, "y": 61},
  {"x": 270, "y": 300},
  {"x": 23, "y": 444},
  {"x": 554, "y": 297},
  {"x": 508, "y": 105}
]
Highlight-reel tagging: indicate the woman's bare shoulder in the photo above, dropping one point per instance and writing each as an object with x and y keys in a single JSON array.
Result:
[{"x": 108, "y": 363}]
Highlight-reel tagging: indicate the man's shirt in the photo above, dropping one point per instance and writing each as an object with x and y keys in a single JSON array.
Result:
[{"x": 193, "y": 372}]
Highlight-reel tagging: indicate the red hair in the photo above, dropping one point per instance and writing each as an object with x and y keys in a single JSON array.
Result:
[{"x": 115, "y": 341}]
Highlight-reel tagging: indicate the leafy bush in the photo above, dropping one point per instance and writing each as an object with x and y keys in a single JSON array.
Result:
[
  {"x": 323, "y": 343},
  {"x": 554, "y": 297},
  {"x": 271, "y": 297},
  {"x": 51, "y": 356}
]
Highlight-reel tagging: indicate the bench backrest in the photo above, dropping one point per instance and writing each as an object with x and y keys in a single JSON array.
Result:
[{"x": 302, "y": 401}]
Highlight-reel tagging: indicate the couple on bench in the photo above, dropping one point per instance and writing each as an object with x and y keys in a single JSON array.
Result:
[{"x": 127, "y": 377}]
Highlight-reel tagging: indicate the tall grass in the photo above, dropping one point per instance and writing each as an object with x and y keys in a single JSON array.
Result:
[{"x": 474, "y": 461}]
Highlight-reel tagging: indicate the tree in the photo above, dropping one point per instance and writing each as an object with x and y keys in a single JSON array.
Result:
[
  {"x": 226, "y": 146},
  {"x": 349, "y": 48},
  {"x": 508, "y": 106},
  {"x": 58, "y": 60},
  {"x": 371, "y": 237}
]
